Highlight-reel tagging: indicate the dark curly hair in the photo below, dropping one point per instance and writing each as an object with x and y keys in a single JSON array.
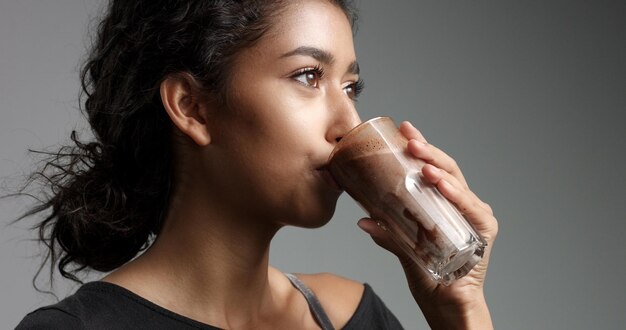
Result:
[{"x": 107, "y": 198}]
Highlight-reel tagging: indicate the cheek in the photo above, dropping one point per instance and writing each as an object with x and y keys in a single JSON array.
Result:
[
  {"x": 268, "y": 159},
  {"x": 275, "y": 133},
  {"x": 274, "y": 176},
  {"x": 271, "y": 143}
]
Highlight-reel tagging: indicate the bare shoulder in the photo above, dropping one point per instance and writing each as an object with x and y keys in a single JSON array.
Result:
[{"x": 339, "y": 296}]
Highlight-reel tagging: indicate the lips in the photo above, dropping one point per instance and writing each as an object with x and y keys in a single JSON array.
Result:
[{"x": 328, "y": 178}]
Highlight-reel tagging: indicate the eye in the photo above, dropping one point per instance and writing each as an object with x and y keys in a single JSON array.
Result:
[
  {"x": 309, "y": 76},
  {"x": 354, "y": 89}
]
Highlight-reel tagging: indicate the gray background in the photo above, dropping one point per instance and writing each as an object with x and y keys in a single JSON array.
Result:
[{"x": 528, "y": 97}]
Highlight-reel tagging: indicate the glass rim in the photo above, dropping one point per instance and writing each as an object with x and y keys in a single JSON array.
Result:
[{"x": 358, "y": 128}]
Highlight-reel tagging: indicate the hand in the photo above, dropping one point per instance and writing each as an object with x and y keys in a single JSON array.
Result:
[{"x": 464, "y": 298}]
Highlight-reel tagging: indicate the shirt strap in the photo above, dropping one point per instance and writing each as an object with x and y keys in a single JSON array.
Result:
[{"x": 314, "y": 304}]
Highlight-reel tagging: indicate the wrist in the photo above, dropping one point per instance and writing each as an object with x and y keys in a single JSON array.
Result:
[{"x": 474, "y": 315}]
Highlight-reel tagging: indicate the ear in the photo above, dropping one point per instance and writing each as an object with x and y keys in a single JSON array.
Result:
[{"x": 187, "y": 109}]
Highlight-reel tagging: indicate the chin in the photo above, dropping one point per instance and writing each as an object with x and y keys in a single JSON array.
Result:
[
  {"x": 317, "y": 211},
  {"x": 315, "y": 223},
  {"x": 319, "y": 217}
]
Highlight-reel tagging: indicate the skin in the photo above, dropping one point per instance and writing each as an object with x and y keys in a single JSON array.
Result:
[{"x": 244, "y": 172}]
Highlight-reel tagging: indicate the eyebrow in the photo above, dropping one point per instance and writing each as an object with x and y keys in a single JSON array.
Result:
[
  {"x": 354, "y": 68},
  {"x": 320, "y": 55}
]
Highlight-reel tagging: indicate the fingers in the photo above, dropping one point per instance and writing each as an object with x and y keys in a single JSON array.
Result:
[
  {"x": 383, "y": 238},
  {"x": 410, "y": 132},
  {"x": 380, "y": 234},
  {"x": 475, "y": 211},
  {"x": 420, "y": 148},
  {"x": 443, "y": 171},
  {"x": 435, "y": 156},
  {"x": 433, "y": 175}
]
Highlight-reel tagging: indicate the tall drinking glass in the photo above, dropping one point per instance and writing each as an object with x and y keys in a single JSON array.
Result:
[{"x": 373, "y": 165}]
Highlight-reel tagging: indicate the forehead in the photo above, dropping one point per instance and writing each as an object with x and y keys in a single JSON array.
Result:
[{"x": 314, "y": 23}]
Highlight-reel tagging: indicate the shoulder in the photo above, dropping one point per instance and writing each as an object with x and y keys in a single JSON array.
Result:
[
  {"x": 350, "y": 304},
  {"x": 373, "y": 313},
  {"x": 72, "y": 312},
  {"x": 339, "y": 296},
  {"x": 103, "y": 305},
  {"x": 50, "y": 317},
  {"x": 93, "y": 305}
]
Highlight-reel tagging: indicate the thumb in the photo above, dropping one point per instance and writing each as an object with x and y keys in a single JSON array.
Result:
[{"x": 380, "y": 234}]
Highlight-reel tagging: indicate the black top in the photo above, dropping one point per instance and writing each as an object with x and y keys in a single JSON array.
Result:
[{"x": 103, "y": 305}]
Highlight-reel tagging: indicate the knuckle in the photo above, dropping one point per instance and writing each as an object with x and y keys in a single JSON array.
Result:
[
  {"x": 488, "y": 208},
  {"x": 454, "y": 166},
  {"x": 495, "y": 227},
  {"x": 476, "y": 205}
]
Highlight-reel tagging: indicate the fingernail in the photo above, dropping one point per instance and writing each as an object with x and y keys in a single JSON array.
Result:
[
  {"x": 436, "y": 170},
  {"x": 419, "y": 143},
  {"x": 423, "y": 145},
  {"x": 447, "y": 185}
]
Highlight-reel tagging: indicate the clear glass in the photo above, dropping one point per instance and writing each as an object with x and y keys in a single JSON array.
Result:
[{"x": 373, "y": 165}]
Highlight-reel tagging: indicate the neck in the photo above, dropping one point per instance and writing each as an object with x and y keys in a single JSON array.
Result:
[{"x": 206, "y": 264}]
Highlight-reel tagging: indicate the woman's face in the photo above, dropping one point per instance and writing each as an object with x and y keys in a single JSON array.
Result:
[{"x": 291, "y": 100}]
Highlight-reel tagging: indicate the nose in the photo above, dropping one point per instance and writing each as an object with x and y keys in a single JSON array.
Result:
[{"x": 343, "y": 117}]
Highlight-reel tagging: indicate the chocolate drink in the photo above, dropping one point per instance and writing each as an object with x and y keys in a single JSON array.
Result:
[{"x": 391, "y": 190}]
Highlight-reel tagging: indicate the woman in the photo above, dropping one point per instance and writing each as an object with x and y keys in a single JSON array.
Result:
[{"x": 213, "y": 123}]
